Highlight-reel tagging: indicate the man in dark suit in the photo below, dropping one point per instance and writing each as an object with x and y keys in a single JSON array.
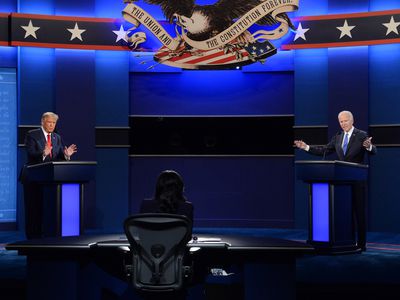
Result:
[
  {"x": 42, "y": 145},
  {"x": 350, "y": 145}
]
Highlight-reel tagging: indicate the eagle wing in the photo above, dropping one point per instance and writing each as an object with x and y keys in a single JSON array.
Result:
[
  {"x": 236, "y": 8},
  {"x": 171, "y": 7}
]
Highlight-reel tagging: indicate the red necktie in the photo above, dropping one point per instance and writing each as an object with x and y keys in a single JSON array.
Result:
[{"x": 49, "y": 142}]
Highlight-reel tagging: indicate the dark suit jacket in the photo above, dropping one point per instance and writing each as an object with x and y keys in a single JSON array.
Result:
[
  {"x": 152, "y": 206},
  {"x": 355, "y": 149},
  {"x": 35, "y": 142}
]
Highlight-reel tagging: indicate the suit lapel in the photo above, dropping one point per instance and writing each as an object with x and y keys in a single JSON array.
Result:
[
  {"x": 55, "y": 143},
  {"x": 41, "y": 138}
]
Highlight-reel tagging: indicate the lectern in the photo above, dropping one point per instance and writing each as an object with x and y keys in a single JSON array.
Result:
[
  {"x": 62, "y": 183},
  {"x": 331, "y": 187}
]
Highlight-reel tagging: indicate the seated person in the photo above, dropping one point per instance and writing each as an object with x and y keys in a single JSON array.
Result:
[{"x": 169, "y": 197}]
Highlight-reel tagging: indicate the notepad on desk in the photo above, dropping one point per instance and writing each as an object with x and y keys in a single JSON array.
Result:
[{"x": 207, "y": 240}]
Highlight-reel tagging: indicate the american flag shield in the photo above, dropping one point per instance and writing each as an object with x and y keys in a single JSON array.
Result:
[{"x": 229, "y": 56}]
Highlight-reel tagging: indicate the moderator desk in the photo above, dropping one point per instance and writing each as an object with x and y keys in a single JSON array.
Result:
[{"x": 81, "y": 267}]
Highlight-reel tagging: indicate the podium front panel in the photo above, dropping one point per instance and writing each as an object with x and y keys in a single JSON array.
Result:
[
  {"x": 70, "y": 209},
  {"x": 331, "y": 187},
  {"x": 62, "y": 185},
  {"x": 320, "y": 212}
]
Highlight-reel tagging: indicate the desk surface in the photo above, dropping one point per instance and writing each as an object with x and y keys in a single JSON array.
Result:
[{"x": 232, "y": 243}]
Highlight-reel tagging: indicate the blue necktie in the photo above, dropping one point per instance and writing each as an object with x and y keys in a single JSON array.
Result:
[{"x": 345, "y": 143}]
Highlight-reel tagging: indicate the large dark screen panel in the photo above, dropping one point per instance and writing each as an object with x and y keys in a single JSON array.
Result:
[
  {"x": 214, "y": 93},
  {"x": 259, "y": 135}
]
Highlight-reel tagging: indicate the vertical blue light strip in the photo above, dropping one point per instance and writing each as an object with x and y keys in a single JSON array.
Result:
[
  {"x": 320, "y": 212},
  {"x": 70, "y": 209}
]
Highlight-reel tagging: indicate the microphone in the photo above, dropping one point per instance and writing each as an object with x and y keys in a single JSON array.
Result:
[
  {"x": 326, "y": 146},
  {"x": 324, "y": 153}
]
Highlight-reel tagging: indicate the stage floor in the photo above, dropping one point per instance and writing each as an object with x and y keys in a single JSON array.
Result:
[{"x": 373, "y": 274}]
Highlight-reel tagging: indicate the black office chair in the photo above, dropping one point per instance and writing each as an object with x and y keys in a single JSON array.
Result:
[{"x": 158, "y": 246}]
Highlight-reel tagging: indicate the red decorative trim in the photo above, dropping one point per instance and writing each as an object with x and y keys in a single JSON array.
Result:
[
  {"x": 4, "y": 15},
  {"x": 4, "y": 43},
  {"x": 63, "y": 18},
  {"x": 69, "y": 46},
  {"x": 342, "y": 44}
]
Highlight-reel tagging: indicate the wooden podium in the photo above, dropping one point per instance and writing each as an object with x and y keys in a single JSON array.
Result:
[
  {"x": 331, "y": 185},
  {"x": 62, "y": 184}
]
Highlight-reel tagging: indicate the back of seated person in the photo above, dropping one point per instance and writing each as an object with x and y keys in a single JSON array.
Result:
[{"x": 168, "y": 197}]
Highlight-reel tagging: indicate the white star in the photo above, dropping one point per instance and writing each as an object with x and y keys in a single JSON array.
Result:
[
  {"x": 345, "y": 29},
  {"x": 300, "y": 31},
  {"x": 391, "y": 26},
  {"x": 76, "y": 32},
  {"x": 30, "y": 30},
  {"x": 121, "y": 34}
]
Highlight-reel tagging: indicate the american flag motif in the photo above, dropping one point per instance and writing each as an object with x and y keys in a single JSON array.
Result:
[
  {"x": 341, "y": 30},
  {"x": 228, "y": 57},
  {"x": 62, "y": 32},
  {"x": 358, "y": 29}
]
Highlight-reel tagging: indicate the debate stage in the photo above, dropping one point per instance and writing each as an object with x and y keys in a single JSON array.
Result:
[{"x": 81, "y": 267}]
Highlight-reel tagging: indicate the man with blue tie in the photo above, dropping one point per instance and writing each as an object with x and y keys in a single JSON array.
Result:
[
  {"x": 42, "y": 145},
  {"x": 350, "y": 145}
]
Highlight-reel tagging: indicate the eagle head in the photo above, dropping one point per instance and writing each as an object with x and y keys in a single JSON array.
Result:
[
  {"x": 195, "y": 24},
  {"x": 203, "y": 23}
]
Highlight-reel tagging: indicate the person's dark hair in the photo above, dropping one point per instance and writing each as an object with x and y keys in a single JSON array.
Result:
[{"x": 169, "y": 191}]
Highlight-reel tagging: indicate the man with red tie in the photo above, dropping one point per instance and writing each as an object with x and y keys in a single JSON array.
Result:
[
  {"x": 350, "y": 145},
  {"x": 42, "y": 145}
]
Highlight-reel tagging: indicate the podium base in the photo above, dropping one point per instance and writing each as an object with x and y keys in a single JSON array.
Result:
[{"x": 326, "y": 248}]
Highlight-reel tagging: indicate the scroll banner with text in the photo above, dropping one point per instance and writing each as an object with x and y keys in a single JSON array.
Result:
[{"x": 137, "y": 16}]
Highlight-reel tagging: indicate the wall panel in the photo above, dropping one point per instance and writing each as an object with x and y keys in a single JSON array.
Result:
[{"x": 249, "y": 191}]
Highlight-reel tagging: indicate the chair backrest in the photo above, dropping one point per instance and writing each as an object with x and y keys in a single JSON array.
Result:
[{"x": 158, "y": 245}]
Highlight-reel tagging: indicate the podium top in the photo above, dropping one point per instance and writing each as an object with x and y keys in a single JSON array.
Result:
[
  {"x": 60, "y": 171},
  {"x": 330, "y": 171},
  {"x": 330, "y": 162},
  {"x": 62, "y": 163}
]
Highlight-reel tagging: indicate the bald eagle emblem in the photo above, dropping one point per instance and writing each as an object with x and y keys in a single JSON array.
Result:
[{"x": 225, "y": 34}]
